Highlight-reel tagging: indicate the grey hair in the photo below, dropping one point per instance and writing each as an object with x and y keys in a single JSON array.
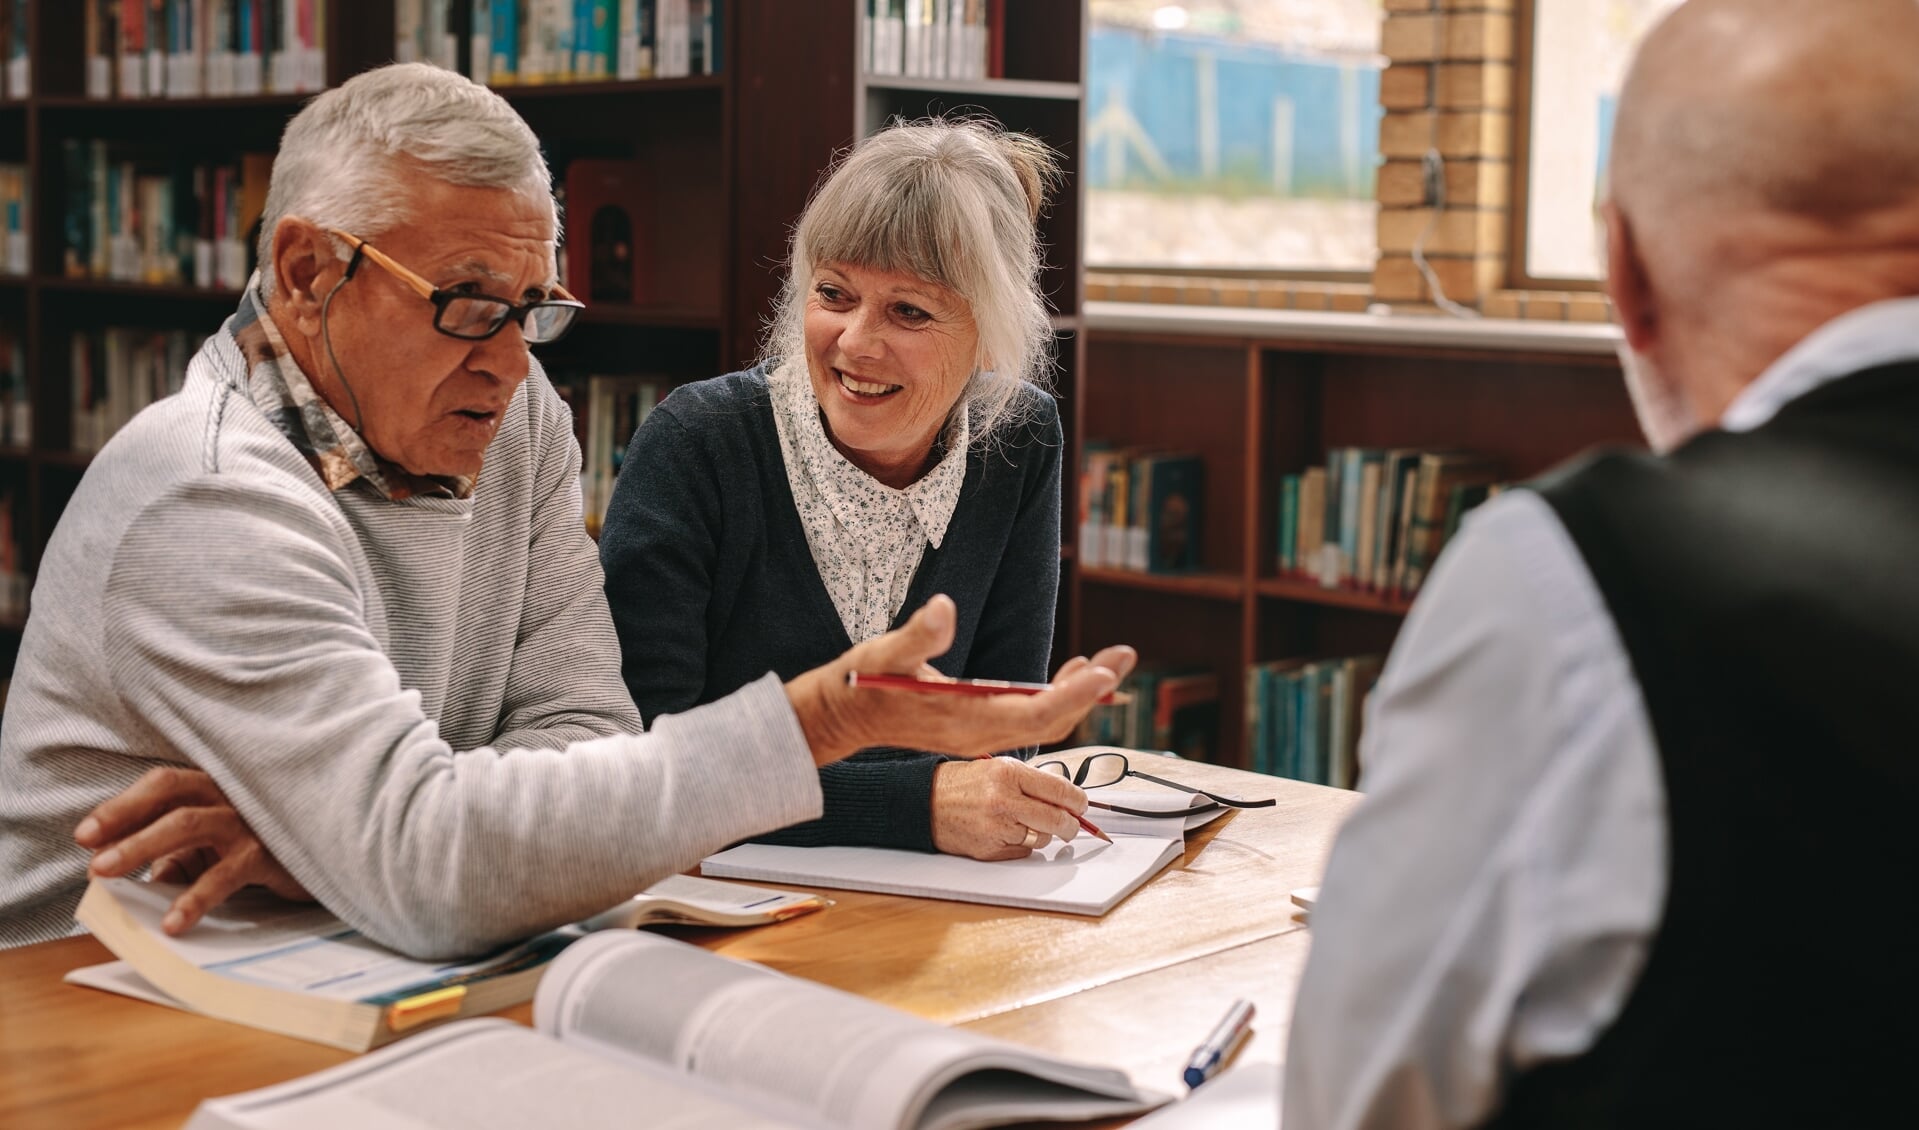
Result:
[
  {"x": 343, "y": 161},
  {"x": 952, "y": 202}
]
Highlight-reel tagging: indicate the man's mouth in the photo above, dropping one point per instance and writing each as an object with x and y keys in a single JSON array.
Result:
[{"x": 870, "y": 390}]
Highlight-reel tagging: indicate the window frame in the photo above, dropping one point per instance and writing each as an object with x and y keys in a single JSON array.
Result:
[
  {"x": 1519, "y": 218},
  {"x": 1202, "y": 273}
]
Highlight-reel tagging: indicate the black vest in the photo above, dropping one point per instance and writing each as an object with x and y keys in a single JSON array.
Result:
[{"x": 1766, "y": 588}]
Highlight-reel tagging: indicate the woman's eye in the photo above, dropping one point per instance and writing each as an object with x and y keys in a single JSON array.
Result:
[
  {"x": 911, "y": 313},
  {"x": 828, "y": 293}
]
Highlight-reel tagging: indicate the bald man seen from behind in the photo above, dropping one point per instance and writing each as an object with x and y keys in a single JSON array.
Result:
[{"x": 1635, "y": 847}]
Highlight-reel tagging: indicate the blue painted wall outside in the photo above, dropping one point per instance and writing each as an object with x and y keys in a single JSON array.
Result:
[{"x": 1157, "y": 78}]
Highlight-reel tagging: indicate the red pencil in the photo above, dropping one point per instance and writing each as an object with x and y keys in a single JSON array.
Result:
[
  {"x": 977, "y": 687},
  {"x": 966, "y": 686}
]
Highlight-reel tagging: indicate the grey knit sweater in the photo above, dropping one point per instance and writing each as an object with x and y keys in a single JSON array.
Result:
[{"x": 416, "y": 704}]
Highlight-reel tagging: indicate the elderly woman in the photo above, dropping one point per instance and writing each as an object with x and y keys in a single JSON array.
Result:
[{"x": 894, "y": 443}]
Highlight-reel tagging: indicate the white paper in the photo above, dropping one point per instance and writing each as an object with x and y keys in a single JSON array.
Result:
[{"x": 1083, "y": 876}]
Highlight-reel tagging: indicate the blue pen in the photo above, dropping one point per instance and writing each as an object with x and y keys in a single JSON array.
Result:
[{"x": 1226, "y": 1035}]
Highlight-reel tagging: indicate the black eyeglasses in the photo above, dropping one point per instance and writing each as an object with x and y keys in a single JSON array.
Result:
[
  {"x": 476, "y": 317},
  {"x": 1101, "y": 769}
]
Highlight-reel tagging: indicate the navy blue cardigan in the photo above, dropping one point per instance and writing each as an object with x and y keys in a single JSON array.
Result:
[{"x": 711, "y": 582}]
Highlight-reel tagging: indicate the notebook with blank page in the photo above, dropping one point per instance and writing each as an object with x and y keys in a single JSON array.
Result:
[{"x": 1083, "y": 876}]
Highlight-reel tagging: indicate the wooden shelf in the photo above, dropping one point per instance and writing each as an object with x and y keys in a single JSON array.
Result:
[
  {"x": 77, "y": 460},
  {"x": 1206, "y": 586},
  {"x": 979, "y": 87},
  {"x": 13, "y": 624},
  {"x": 277, "y": 101},
  {"x": 534, "y": 91},
  {"x": 138, "y": 290},
  {"x": 617, "y": 314},
  {"x": 16, "y": 454},
  {"x": 1312, "y": 592}
]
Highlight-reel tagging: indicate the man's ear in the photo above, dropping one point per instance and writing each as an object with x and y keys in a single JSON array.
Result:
[
  {"x": 302, "y": 258},
  {"x": 1626, "y": 281}
]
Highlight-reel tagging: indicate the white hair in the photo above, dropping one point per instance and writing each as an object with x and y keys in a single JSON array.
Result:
[
  {"x": 951, "y": 202},
  {"x": 344, "y": 159}
]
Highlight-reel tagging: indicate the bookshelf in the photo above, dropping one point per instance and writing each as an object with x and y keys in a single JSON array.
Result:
[
  {"x": 1259, "y": 402},
  {"x": 1040, "y": 54},
  {"x": 737, "y": 153}
]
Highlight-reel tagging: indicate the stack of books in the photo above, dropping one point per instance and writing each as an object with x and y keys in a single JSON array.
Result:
[
  {"x": 1303, "y": 717},
  {"x": 1173, "y": 708},
  {"x": 937, "y": 39},
  {"x": 513, "y": 42},
  {"x": 1140, "y": 509},
  {"x": 117, "y": 371},
  {"x": 14, "y": 219},
  {"x": 1374, "y": 519},
  {"x": 204, "y": 48},
  {"x": 138, "y": 215}
]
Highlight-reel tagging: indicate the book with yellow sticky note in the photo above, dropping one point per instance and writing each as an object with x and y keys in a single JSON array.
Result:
[{"x": 295, "y": 969}]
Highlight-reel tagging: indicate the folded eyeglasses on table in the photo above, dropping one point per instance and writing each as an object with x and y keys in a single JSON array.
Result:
[{"x": 1101, "y": 769}]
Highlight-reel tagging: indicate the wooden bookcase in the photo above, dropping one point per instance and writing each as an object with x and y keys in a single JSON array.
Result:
[
  {"x": 734, "y": 157},
  {"x": 1260, "y": 407}
]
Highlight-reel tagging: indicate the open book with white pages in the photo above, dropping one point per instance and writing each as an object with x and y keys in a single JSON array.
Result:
[
  {"x": 1081, "y": 876},
  {"x": 637, "y": 1029},
  {"x": 295, "y": 969}
]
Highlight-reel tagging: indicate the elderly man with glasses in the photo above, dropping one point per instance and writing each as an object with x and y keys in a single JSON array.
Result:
[{"x": 338, "y": 591}]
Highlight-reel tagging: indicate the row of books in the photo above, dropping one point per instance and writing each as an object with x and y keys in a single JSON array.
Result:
[
  {"x": 509, "y": 42},
  {"x": 1374, "y": 519},
  {"x": 14, "y": 582},
  {"x": 16, "y": 399},
  {"x": 607, "y": 410},
  {"x": 1140, "y": 509},
  {"x": 14, "y": 219},
  {"x": 1303, "y": 717},
  {"x": 134, "y": 215},
  {"x": 119, "y": 370},
  {"x": 938, "y": 39},
  {"x": 1173, "y": 708},
  {"x": 204, "y": 48},
  {"x": 16, "y": 63}
]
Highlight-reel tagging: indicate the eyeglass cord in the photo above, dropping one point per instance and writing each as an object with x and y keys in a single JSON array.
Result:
[{"x": 326, "y": 338}]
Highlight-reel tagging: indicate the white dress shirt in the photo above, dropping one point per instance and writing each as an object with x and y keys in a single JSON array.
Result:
[
  {"x": 1490, "y": 905},
  {"x": 866, "y": 537}
]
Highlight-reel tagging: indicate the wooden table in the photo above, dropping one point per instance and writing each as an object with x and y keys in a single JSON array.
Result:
[{"x": 1135, "y": 989}]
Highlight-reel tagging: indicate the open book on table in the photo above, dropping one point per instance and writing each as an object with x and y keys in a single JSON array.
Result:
[
  {"x": 636, "y": 1029},
  {"x": 295, "y": 969},
  {"x": 1083, "y": 876}
]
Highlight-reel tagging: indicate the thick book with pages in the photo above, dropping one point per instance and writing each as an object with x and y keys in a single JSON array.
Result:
[
  {"x": 295, "y": 969},
  {"x": 636, "y": 1029}
]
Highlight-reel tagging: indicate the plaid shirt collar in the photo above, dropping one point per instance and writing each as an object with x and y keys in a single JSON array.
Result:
[{"x": 329, "y": 443}]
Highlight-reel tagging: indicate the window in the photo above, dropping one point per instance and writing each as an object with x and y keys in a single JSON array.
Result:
[
  {"x": 1580, "y": 50},
  {"x": 1233, "y": 136}
]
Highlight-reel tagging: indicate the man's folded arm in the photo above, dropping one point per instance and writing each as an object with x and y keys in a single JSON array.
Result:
[{"x": 238, "y": 635}]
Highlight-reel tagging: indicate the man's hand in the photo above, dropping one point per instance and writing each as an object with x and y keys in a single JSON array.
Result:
[
  {"x": 178, "y": 820},
  {"x": 985, "y": 808},
  {"x": 838, "y": 719}
]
